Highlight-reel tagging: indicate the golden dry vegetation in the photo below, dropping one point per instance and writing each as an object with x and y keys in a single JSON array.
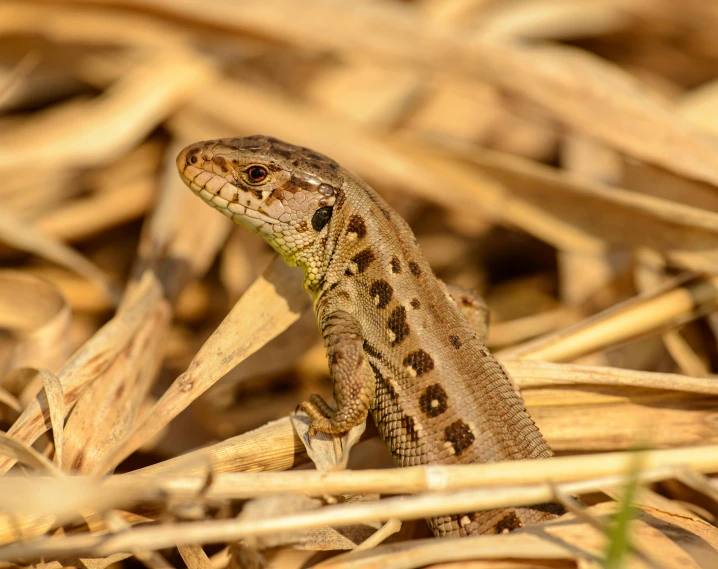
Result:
[{"x": 560, "y": 156}]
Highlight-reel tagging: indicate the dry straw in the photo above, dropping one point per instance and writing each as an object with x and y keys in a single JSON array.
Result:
[{"x": 558, "y": 156}]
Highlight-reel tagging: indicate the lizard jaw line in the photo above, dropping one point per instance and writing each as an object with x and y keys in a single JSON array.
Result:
[{"x": 232, "y": 209}]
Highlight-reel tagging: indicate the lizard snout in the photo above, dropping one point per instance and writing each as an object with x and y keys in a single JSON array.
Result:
[{"x": 194, "y": 155}]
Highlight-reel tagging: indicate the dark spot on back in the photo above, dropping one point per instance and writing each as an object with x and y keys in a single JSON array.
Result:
[
  {"x": 414, "y": 268},
  {"x": 455, "y": 341},
  {"x": 415, "y": 304},
  {"x": 468, "y": 301},
  {"x": 357, "y": 225},
  {"x": 383, "y": 291},
  {"x": 508, "y": 523},
  {"x": 434, "y": 401},
  {"x": 395, "y": 265},
  {"x": 316, "y": 156},
  {"x": 363, "y": 259},
  {"x": 283, "y": 153},
  {"x": 408, "y": 424},
  {"x": 459, "y": 435},
  {"x": 382, "y": 381},
  {"x": 397, "y": 323},
  {"x": 420, "y": 361}
]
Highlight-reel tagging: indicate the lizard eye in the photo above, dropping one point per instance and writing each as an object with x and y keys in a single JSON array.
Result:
[
  {"x": 321, "y": 217},
  {"x": 256, "y": 174}
]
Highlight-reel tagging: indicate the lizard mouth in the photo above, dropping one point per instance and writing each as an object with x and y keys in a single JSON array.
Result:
[{"x": 245, "y": 215}]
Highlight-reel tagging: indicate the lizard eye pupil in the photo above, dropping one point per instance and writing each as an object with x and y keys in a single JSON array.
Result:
[
  {"x": 257, "y": 173},
  {"x": 321, "y": 217}
]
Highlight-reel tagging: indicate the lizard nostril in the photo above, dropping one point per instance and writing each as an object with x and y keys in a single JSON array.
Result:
[{"x": 192, "y": 159}]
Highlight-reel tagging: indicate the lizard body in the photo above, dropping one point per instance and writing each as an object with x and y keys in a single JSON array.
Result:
[{"x": 397, "y": 343}]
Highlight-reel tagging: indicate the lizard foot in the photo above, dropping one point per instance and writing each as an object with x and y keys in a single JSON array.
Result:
[{"x": 325, "y": 419}]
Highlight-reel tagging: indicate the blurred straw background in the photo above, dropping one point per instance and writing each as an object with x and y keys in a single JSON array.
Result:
[{"x": 559, "y": 156}]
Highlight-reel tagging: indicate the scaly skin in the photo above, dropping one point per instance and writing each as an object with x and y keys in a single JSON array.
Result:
[{"x": 397, "y": 343}]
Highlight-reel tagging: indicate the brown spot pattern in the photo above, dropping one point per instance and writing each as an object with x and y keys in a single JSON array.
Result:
[
  {"x": 414, "y": 268},
  {"x": 363, "y": 259},
  {"x": 459, "y": 435},
  {"x": 382, "y": 292},
  {"x": 415, "y": 304},
  {"x": 397, "y": 323},
  {"x": 420, "y": 361},
  {"x": 455, "y": 341},
  {"x": 434, "y": 401},
  {"x": 395, "y": 265},
  {"x": 357, "y": 225}
]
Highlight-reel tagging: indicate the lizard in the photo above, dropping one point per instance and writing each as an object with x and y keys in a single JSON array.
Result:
[{"x": 397, "y": 343}]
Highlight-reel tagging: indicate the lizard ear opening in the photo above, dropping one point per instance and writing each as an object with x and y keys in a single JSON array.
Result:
[{"x": 321, "y": 217}]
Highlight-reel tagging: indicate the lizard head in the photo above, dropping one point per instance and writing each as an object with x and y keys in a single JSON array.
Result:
[{"x": 285, "y": 193}]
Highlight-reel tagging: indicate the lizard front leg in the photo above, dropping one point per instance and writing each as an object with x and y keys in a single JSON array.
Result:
[{"x": 354, "y": 384}]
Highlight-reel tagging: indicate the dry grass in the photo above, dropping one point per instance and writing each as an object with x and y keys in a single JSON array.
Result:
[{"x": 560, "y": 156}]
